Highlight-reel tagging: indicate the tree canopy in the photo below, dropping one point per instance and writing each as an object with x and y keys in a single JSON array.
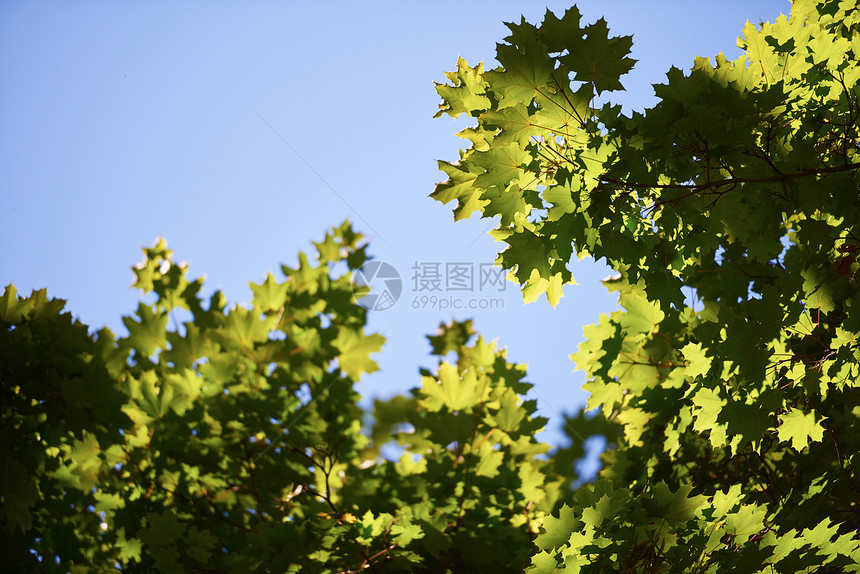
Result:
[
  {"x": 231, "y": 440},
  {"x": 729, "y": 211},
  {"x": 218, "y": 438}
]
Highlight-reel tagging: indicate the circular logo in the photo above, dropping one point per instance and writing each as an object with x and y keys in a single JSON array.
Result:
[{"x": 383, "y": 282}]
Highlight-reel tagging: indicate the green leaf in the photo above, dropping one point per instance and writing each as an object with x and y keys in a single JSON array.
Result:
[
  {"x": 162, "y": 528},
  {"x": 269, "y": 295},
  {"x": 451, "y": 337},
  {"x": 526, "y": 69},
  {"x": 542, "y": 563},
  {"x": 354, "y": 349},
  {"x": 555, "y": 532},
  {"x": 800, "y": 428},
  {"x": 454, "y": 390},
  {"x": 510, "y": 413},
  {"x": 245, "y": 327},
  {"x": 748, "y": 520},
  {"x": 19, "y": 494},
  {"x": 150, "y": 333},
  {"x": 641, "y": 316},
  {"x": 709, "y": 406},
  {"x": 129, "y": 550},
  {"x": 503, "y": 166},
  {"x": 86, "y": 462},
  {"x": 599, "y": 59},
  {"x": 676, "y": 506},
  {"x": 698, "y": 363},
  {"x": 460, "y": 186},
  {"x": 604, "y": 510},
  {"x": 13, "y": 310},
  {"x": 467, "y": 94},
  {"x": 488, "y": 461}
]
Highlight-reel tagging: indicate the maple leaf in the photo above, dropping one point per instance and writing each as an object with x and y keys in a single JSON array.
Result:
[
  {"x": 710, "y": 405},
  {"x": 526, "y": 70},
  {"x": 748, "y": 520},
  {"x": 269, "y": 295},
  {"x": 508, "y": 203},
  {"x": 503, "y": 165},
  {"x": 698, "y": 362},
  {"x": 468, "y": 92},
  {"x": 453, "y": 390},
  {"x": 149, "y": 333},
  {"x": 245, "y": 327},
  {"x": 460, "y": 185},
  {"x": 543, "y": 563},
  {"x": 354, "y": 349},
  {"x": 676, "y": 506},
  {"x": 642, "y": 315},
  {"x": 800, "y": 428},
  {"x": 748, "y": 421},
  {"x": 600, "y": 59},
  {"x": 12, "y": 309},
  {"x": 515, "y": 125},
  {"x": 556, "y": 531}
]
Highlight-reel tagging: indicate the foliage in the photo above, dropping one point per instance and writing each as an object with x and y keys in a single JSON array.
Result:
[
  {"x": 216, "y": 439},
  {"x": 231, "y": 441},
  {"x": 736, "y": 407}
]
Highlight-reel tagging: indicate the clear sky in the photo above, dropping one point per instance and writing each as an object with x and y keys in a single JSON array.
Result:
[{"x": 123, "y": 121}]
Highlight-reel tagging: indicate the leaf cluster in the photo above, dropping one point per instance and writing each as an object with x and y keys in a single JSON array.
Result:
[
  {"x": 216, "y": 439},
  {"x": 729, "y": 212}
]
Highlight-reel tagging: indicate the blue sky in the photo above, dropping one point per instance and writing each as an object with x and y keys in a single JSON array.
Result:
[{"x": 120, "y": 122}]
